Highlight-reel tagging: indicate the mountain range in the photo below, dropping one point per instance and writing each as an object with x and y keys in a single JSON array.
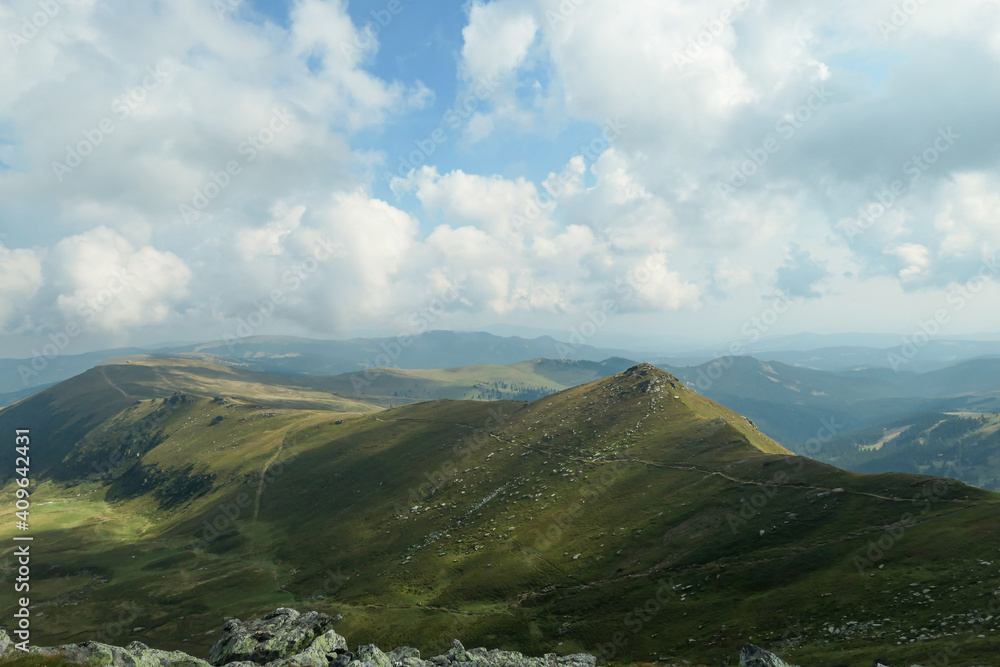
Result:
[{"x": 629, "y": 516}]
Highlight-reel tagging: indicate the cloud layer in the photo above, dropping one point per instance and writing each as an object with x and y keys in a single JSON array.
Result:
[{"x": 710, "y": 153}]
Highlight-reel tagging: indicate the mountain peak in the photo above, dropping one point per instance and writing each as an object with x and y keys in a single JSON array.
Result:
[
  {"x": 648, "y": 376},
  {"x": 642, "y": 370}
]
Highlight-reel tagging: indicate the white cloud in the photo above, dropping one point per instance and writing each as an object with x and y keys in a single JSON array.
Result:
[
  {"x": 20, "y": 279},
  {"x": 105, "y": 283},
  {"x": 497, "y": 205},
  {"x": 538, "y": 232},
  {"x": 267, "y": 240},
  {"x": 915, "y": 260},
  {"x": 497, "y": 39},
  {"x": 969, "y": 216}
]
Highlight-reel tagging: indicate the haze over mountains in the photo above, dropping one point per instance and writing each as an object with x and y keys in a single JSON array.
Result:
[
  {"x": 178, "y": 491},
  {"x": 828, "y": 415},
  {"x": 447, "y": 349}
]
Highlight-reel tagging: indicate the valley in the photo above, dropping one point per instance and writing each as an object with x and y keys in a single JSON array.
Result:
[{"x": 629, "y": 517}]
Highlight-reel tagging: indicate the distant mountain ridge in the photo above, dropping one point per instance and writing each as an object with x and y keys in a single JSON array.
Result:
[
  {"x": 194, "y": 491},
  {"x": 285, "y": 355}
]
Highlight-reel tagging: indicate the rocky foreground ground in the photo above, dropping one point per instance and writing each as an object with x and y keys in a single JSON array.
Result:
[{"x": 286, "y": 638}]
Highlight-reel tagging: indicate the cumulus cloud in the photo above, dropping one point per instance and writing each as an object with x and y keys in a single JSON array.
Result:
[
  {"x": 813, "y": 113},
  {"x": 268, "y": 240},
  {"x": 107, "y": 284},
  {"x": 20, "y": 279},
  {"x": 750, "y": 139},
  {"x": 497, "y": 39}
]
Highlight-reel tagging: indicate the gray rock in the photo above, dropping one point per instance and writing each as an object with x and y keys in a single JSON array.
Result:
[
  {"x": 281, "y": 634},
  {"x": 151, "y": 657},
  {"x": 309, "y": 658},
  {"x": 368, "y": 655},
  {"x": 136, "y": 655},
  {"x": 6, "y": 643},
  {"x": 330, "y": 643},
  {"x": 578, "y": 660},
  {"x": 459, "y": 656},
  {"x": 404, "y": 656},
  {"x": 286, "y": 638},
  {"x": 87, "y": 653},
  {"x": 754, "y": 656}
]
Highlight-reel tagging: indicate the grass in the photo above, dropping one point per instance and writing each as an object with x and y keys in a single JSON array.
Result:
[{"x": 612, "y": 518}]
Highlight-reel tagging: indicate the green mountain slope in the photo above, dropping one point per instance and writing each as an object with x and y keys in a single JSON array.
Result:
[
  {"x": 62, "y": 416},
  {"x": 628, "y": 516},
  {"x": 788, "y": 402},
  {"x": 965, "y": 446}
]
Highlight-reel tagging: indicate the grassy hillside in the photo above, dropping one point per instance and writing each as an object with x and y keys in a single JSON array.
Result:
[
  {"x": 965, "y": 446},
  {"x": 787, "y": 402},
  {"x": 64, "y": 415},
  {"x": 630, "y": 517}
]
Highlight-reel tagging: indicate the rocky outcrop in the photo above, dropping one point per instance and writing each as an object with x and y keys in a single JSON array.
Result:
[
  {"x": 755, "y": 656},
  {"x": 458, "y": 656},
  {"x": 282, "y": 634},
  {"x": 287, "y": 638}
]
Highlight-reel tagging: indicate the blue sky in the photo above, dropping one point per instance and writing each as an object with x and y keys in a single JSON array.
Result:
[
  {"x": 168, "y": 170},
  {"x": 424, "y": 43}
]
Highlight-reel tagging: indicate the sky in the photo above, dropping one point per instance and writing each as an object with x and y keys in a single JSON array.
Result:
[{"x": 641, "y": 172}]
